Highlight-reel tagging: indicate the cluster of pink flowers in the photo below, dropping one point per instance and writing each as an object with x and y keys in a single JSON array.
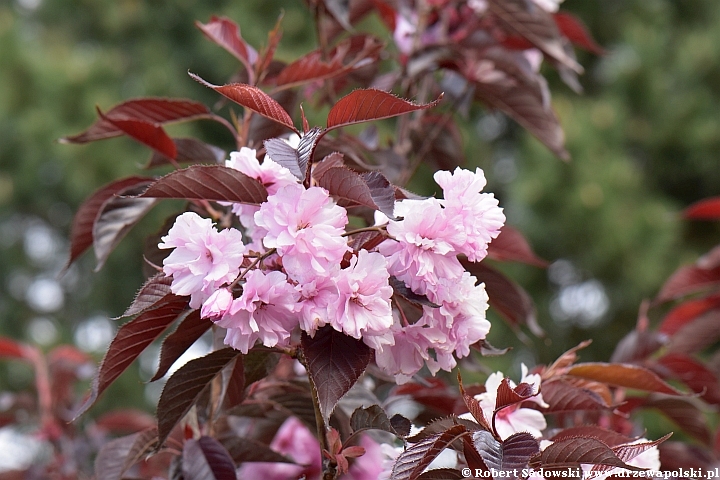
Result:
[{"x": 298, "y": 272}]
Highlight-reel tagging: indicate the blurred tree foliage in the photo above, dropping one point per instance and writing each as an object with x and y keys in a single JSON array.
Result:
[{"x": 644, "y": 139}]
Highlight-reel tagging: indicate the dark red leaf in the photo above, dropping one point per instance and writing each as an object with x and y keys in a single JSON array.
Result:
[
  {"x": 154, "y": 290},
  {"x": 335, "y": 361},
  {"x": 295, "y": 160},
  {"x": 688, "y": 279},
  {"x": 268, "y": 53},
  {"x": 622, "y": 375},
  {"x": 341, "y": 60},
  {"x": 565, "y": 397},
  {"x": 439, "y": 425},
  {"x": 441, "y": 474},
  {"x": 226, "y": 33},
  {"x": 696, "y": 335},
  {"x": 630, "y": 451},
  {"x": 515, "y": 89},
  {"x": 183, "y": 389},
  {"x": 411, "y": 463},
  {"x": 567, "y": 359},
  {"x": 190, "y": 150},
  {"x": 575, "y": 31},
  {"x": 235, "y": 390},
  {"x": 575, "y": 451},
  {"x": 535, "y": 25},
  {"x": 208, "y": 182},
  {"x": 252, "y": 98},
  {"x": 144, "y": 444},
  {"x": 243, "y": 449},
  {"x": 513, "y": 454},
  {"x": 399, "y": 288},
  {"x": 258, "y": 364},
  {"x": 116, "y": 218},
  {"x": 364, "y": 105},
  {"x": 111, "y": 459},
  {"x": 374, "y": 417},
  {"x": 353, "y": 189},
  {"x": 508, "y": 298},
  {"x": 206, "y": 459},
  {"x": 81, "y": 231},
  {"x": 512, "y": 246},
  {"x": 152, "y": 110},
  {"x": 706, "y": 209},
  {"x": 506, "y": 395},
  {"x": 608, "y": 437},
  {"x": 10, "y": 348},
  {"x": 149, "y": 134},
  {"x": 188, "y": 331},
  {"x": 694, "y": 374},
  {"x": 262, "y": 128},
  {"x": 637, "y": 345},
  {"x": 675, "y": 455},
  {"x": 130, "y": 341},
  {"x": 685, "y": 414}
]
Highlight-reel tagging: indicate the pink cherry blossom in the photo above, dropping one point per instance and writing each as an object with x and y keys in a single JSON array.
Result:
[
  {"x": 363, "y": 309},
  {"x": 265, "y": 311},
  {"x": 316, "y": 296},
  {"x": 408, "y": 353},
  {"x": 217, "y": 305},
  {"x": 474, "y": 216},
  {"x": 306, "y": 227},
  {"x": 513, "y": 419},
  {"x": 203, "y": 259},
  {"x": 422, "y": 250}
]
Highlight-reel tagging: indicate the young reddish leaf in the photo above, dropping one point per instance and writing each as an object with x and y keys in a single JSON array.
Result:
[
  {"x": 512, "y": 246},
  {"x": 686, "y": 280},
  {"x": 575, "y": 451},
  {"x": 184, "y": 388},
  {"x": 694, "y": 374},
  {"x": 226, "y": 33},
  {"x": 512, "y": 454},
  {"x": 637, "y": 345},
  {"x": 153, "y": 110},
  {"x": 312, "y": 67},
  {"x": 508, "y": 298},
  {"x": 608, "y": 437},
  {"x": 685, "y": 414},
  {"x": 622, "y": 375},
  {"x": 567, "y": 359},
  {"x": 352, "y": 189},
  {"x": 10, "y": 348},
  {"x": 696, "y": 335},
  {"x": 473, "y": 405},
  {"x": 190, "y": 150},
  {"x": 535, "y": 25},
  {"x": 439, "y": 425},
  {"x": 411, "y": 463},
  {"x": 206, "y": 459},
  {"x": 115, "y": 220},
  {"x": 130, "y": 341},
  {"x": 565, "y": 397},
  {"x": 575, "y": 31},
  {"x": 244, "y": 449},
  {"x": 706, "y": 209},
  {"x": 252, "y": 98},
  {"x": 208, "y": 182},
  {"x": 686, "y": 312},
  {"x": 364, "y": 105},
  {"x": 506, "y": 395},
  {"x": 81, "y": 231},
  {"x": 268, "y": 53},
  {"x": 335, "y": 361},
  {"x": 154, "y": 290},
  {"x": 188, "y": 331},
  {"x": 149, "y": 134}
]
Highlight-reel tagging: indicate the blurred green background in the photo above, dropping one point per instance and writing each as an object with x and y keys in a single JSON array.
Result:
[{"x": 644, "y": 139}]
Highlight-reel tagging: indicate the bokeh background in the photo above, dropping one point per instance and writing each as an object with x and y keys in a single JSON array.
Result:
[{"x": 644, "y": 138}]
